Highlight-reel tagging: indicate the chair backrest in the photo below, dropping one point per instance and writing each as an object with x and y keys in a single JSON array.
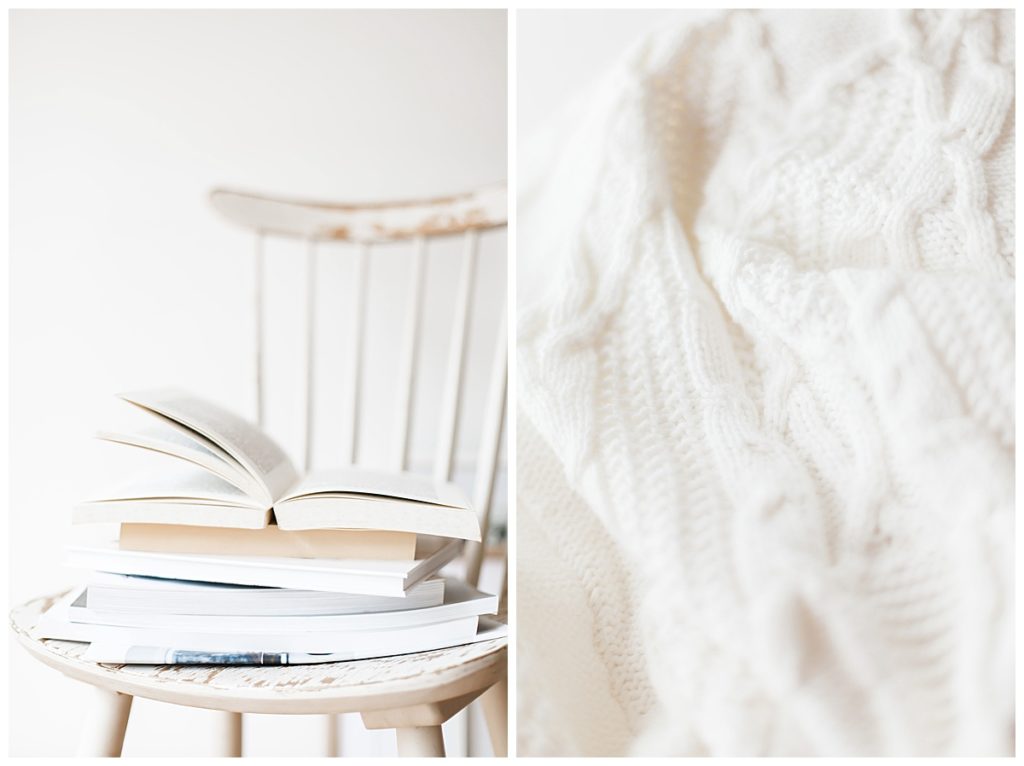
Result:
[{"x": 367, "y": 226}]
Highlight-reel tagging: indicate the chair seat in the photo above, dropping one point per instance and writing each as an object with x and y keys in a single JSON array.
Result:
[{"x": 336, "y": 687}]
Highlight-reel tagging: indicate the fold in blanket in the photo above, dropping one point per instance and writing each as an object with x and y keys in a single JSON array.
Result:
[{"x": 766, "y": 404}]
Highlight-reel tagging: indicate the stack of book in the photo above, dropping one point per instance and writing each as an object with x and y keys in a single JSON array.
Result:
[{"x": 229, "y": 555}]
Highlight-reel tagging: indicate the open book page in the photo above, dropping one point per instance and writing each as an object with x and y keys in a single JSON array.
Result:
[
  {"x": 180, "y": 482},
  {"x": 197, "y": 513},
  {"x": 253, "y": 449},
  {"x": 334, "y": 510},
  {"x": 361, "y": 481},
  {"x": 166, "y": 437}
]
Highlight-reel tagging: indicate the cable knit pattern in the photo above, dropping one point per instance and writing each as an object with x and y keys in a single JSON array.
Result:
[{"x": 766, "y": 411}]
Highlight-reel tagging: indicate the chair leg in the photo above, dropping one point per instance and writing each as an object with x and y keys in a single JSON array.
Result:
[
  {"x": 105, "y": 725},
  {"x": 495, "y": 706},
  {"x": 229, "y": 736},
  {"x": 420, "y": 741},
  {"x": 419, "y": 726},
  {"x": 333, "y": 735}
]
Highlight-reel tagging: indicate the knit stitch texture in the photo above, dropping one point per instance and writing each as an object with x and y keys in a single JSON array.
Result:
[{"x": 765, "y": 439}]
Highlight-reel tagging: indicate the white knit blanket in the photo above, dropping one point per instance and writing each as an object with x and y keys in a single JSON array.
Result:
[{"x": 766, "y": 406}]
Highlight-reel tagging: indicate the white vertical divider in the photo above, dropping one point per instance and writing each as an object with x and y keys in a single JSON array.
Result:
[
  {"x": 360, "y": 283},
  {"x": 258, "y": 317},
  {"x": 310, "y": 348},
  {"x": 487, "y": 455},
  {"x": 409, "y": 358},
  {"x": 449, "y": 423},
  {"x": 359, "y": 287}
]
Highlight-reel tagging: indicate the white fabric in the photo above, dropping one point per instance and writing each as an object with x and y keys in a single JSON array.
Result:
[{"x": 766, "y": 412}]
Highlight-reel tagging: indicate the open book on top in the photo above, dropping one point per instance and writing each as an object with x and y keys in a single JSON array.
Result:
[{"x": 228, "y": 473}]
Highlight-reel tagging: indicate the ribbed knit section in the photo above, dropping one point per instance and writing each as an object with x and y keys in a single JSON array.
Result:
[{"x": 766, "y": 417}]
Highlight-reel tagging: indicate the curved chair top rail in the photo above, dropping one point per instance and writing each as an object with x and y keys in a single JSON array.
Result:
[{"x": 371, "y": 222}]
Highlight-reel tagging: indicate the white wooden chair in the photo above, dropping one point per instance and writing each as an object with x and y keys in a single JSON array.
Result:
[{"x": 413, "y": 694}]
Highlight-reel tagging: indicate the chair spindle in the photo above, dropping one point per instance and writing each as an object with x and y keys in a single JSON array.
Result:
[
  {"x": 449, "y": 422},
  {"x": 258, "y": 307},
  {"x": 408, "y": 360},
  {"x": 310, "y": 348},
  {"x": 359, "y": 286},
  {"x": 487, "y": 456}
]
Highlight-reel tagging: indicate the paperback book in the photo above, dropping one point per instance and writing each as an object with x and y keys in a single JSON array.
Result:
[
  {"x": 228, "y": 555},
  {"x": 229, "y": 474}
]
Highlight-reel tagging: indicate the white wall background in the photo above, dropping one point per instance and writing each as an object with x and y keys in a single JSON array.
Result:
[
  {"x": 560, "y": 52},
  {"x": 123, "y": 277}
]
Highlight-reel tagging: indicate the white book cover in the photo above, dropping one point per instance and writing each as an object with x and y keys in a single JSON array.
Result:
[
  {"x": 460, "y": 600},
  {"x": 137, "y": 595},
  {"x": 113, "y": 652},
  {"x": 363, "y": 576},
  {"x": 57, "y": 624}
]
